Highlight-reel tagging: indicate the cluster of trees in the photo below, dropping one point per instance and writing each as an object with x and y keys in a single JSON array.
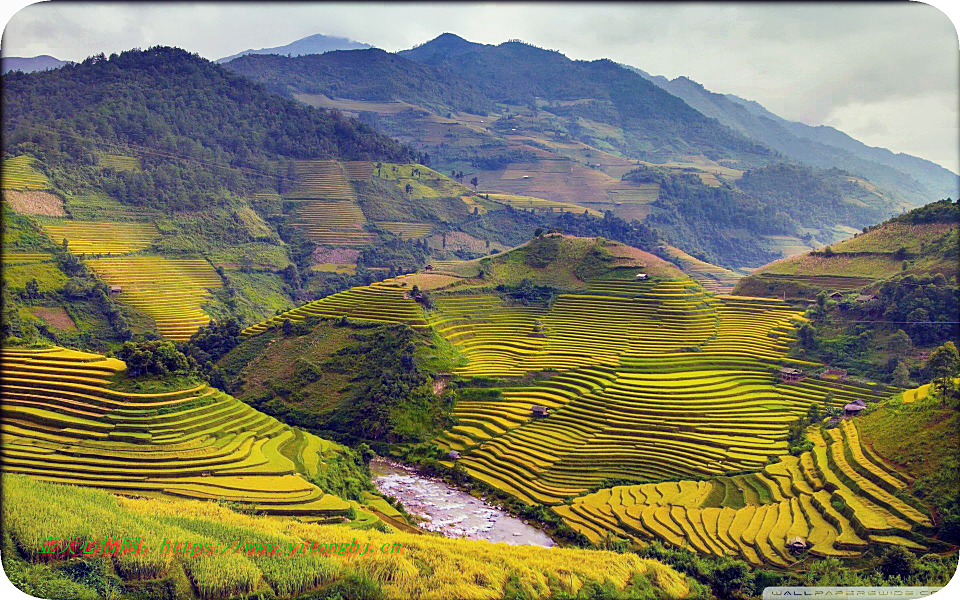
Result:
[
  {"x": 526, "y": 293},
  {"x": 155, "y": 357}
]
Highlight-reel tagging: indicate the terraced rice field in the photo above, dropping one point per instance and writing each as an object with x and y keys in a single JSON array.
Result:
[
  {"x": 120, "y": 162},
  {"x": 645, "y": 381},
  {"x": 170, "y": 291},
  {"x": 535, "y": 204},
  {"x": 358, "y": 170},
  {"x": 328, "y": 212},
  {"x": 20, "y": 173},
  {"x": 62, "y": 421},
  {"x": 712, "y": 277},
  {"x": 24, "y": 258},
  {"x": 753, "y": 516},
  {"x": 325, "y": 179},
  {"x": 96, "y": 237},
  {"x": 382, "y": 302},
  {"x": 332, "y": 222},
  {"x": 631, "y": 401},
  {"x": 407, "y": 231}
]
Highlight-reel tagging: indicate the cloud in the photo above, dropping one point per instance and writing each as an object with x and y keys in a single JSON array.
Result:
[{"x": 845, "y": 64}]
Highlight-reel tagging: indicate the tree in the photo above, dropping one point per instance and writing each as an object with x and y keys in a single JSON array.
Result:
[
  {"x": 474, "y": 183},
  {"x": 813, "y": 413},
  {"x": 900, "y": 343},
  {"x": 898, "y": 562},
  {"x": 944, "y": 365},
  {"x": 538, "y": 232},
  {"x": 409, "y": 188},
  {"x": 31, "y": 290},
  {"x": 901, "y": 374}
]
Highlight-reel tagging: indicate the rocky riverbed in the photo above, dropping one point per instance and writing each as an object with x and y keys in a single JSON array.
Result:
[{"x": 449, "y": 511}]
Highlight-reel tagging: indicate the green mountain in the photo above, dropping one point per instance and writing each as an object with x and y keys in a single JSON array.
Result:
[
  {"x": 372, "y": 75},
  {"x": 914, "y": 179}
]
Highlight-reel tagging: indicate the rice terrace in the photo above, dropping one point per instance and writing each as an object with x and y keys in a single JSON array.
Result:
[{"x": 478, "y": 320}]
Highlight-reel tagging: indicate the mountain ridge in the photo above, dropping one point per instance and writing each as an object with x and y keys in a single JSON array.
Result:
[
  {"x": 317, "y": 43},
  {"x": 823, "y": 146}
]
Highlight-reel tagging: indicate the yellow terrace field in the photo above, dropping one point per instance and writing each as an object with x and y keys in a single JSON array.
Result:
[
  {"x": 753, "y": 516},
  {"x": 424, "y": 568},
  {"x": 407, "y": 231},
  {"x": 170, "y": 291},
  {"x": 325, "y": 179},
  {"x": 532, "y": 203},
  {"x": 119, "y": 162},
  {"x": 20, "y": 173},
  {"x": 24, "y": 258},
  {"x": 63, "y": 422},
  {"x": 383, "y": 302},
  {"x": 96, "y": 237}
]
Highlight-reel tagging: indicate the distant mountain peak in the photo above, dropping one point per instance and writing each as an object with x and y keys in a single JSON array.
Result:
[
  {"x": 43, "y": 62},
  {"x": 317, "y": 43},
  {"x": 444, "y": 45}
]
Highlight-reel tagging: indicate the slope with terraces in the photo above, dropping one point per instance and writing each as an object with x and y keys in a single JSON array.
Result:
[
  {"x": 654, "y": 381},
  {"x": 171, "y": 291},
  {"x": 65, "y": 421},
  {"x": 326, "y": 208},
  {"x": 840, "y": 498}
]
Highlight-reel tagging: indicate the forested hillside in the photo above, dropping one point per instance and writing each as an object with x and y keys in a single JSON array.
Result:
[
  {"x": 203, "y": 134},
  {"x": 738, "y": 223},
  {"x": 364, "y": 75}
]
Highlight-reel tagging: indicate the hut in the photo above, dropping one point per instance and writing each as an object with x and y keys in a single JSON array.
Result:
[
  {"x": 836, "y": 296},
  {"x": 854, "y": 408},
  {"x": 540, "y": 411},
  {"x": 863, "y": 298},
  {"x": 428, "y": 268},
  {"x": 115, "y": 289},
  {"x": 797, "y": 544},
  {"x": 642, "y": 277},
  {"x": 453, "y": 455},
  {"x": 789, "y": 374}
]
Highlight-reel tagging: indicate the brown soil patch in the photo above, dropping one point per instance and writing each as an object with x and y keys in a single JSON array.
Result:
[
  {"x": 343, "y": 256},
  {"x": 34, "y": 203},
  {"x": 55, "y": 317}
]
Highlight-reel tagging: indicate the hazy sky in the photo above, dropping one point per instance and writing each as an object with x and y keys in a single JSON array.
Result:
[{"x": 888, "y": 74}]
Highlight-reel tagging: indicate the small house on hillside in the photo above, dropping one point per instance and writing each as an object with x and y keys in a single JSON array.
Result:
[
  {"x": 115, "y": 289},
  {"x": 428, "y": 268},
  {"x": 642, "y": 277},
  {"x": 453, "y": 455},
  {"x": 789, "y": 375},
  {"x": 854, "y": 408},
  {"x": 540, "y": 411},
  {"x": 866, "y": 298},
  {"x": 797, "y": 544},
  {"x": 836, "y": 296}
]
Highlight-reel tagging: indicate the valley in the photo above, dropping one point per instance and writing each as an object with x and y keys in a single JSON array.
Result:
[{"x": 559, "y": 328}]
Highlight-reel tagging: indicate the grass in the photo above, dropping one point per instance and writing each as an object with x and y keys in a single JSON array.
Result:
[
  {"x": 427, "y": 567},
  {"x": 49, "y": 277}
]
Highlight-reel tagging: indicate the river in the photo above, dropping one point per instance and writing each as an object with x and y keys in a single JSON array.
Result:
[{"x": 449, "y": 511}]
